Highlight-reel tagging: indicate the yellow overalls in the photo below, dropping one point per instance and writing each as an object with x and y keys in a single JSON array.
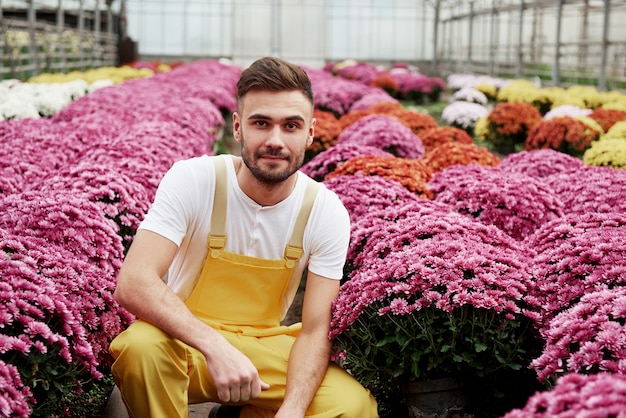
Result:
[{"x": 242, "y": 297}]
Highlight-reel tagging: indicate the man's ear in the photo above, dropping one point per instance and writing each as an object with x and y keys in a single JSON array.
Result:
[
  {"x": 236, "y": 127},
  {"x": 309, "y": 140}
]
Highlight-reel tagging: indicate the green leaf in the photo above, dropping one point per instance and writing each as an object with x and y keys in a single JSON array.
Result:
[
  {"x": 479, "y": 347},
  {"x": 445, "y": 348}
]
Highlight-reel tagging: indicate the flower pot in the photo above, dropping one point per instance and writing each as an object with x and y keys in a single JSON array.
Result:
[{"x": 439, "y": 398}]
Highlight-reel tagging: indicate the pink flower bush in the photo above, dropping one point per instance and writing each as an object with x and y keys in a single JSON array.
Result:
[
  {"x": 516, "y": 204},
  {"x": 590, "y": 189},
  {"x": 361, "y": 71},
  {"x": 66, "y": 219},
  {"x": 334, "y": 94},
  {"x": 58, "y": 304},
  {"x": 541, "y": 163},
  {"x": 427, "y": 289},
  {"x": 588, "y": 338},
  {"x": 361, "y": 194},
  {"x": 74, "y": 188},
  {"x": 118, "y": 197},
  {"x": 575, "y": 255},
  {"x": 417, "y": 86},
  {"x": 385, "y": 133},
  {"x": 574, "y": 395},
  {"x": 14, "y": 396},
  {"x": 32, "y": 149},
  {"x": 375, "y": 96},
  {"x": 328, "y": 161}
]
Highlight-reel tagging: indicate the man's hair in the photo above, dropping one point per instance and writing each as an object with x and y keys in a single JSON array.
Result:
[{"x": 274, "y": 74}]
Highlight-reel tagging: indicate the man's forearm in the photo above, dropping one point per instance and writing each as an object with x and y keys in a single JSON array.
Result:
[{"x": 308, "y": 363}]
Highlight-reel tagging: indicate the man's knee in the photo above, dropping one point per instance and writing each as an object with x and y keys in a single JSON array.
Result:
[
  {"x": 141, "y": 345},
  {"x": 349, "y": 397}
]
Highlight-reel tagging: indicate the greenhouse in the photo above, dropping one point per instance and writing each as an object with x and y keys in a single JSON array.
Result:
[{"x": 426, "y": 212}]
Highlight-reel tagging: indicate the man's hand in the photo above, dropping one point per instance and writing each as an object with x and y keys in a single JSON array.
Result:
[{"x": 235, "y": 377}]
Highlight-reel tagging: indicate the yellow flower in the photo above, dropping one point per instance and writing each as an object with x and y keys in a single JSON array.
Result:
[
  {"x": 589, "y": 95},
  {"x": 617, "y": 131},
  {"x": 609, "y": 152},
  {"x": 481, "y": 128},
  {"x": 488, "y": 89},
  {"x": 591, "y": 123}
]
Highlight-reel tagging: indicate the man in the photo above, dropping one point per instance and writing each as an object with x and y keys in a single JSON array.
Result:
[{"x": 233, "y": 236}]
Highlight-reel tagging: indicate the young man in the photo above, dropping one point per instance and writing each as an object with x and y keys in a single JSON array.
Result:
[{"x": 233, "y": 236}]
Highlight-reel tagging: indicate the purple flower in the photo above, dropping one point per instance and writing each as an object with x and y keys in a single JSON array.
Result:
[
  {"x": 590, "y": 337},
  {"x": 327, "y": 161},
  {"x": 361, "y": 194},
  {"x": 591, "y": 189},
  {"x": 515, "y": 203},
  {"x": 14, "y": 396},
  {"x": 540, "y": 163},
  {"x": 575, "y": 255},
  {"x": 373, "y": 97},
  {"x": 441, "y": 258},
  {"x": 576, "y": 395},
  {"x": 385, "y": 133}
]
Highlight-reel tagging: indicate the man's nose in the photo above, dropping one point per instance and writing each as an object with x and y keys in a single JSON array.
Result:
[{"x": 274, "y": 138}]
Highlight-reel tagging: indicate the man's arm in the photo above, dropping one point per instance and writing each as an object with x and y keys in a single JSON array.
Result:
[
  {"x": 141, "y": 291},
  {"x": 310, "y": 354}
]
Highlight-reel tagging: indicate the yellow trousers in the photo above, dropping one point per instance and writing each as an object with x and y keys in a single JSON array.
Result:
[{"x": 159, "y": 376}]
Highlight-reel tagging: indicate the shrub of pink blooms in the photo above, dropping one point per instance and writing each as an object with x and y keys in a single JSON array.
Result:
[
  {"x": 430, "y": 294},
  {"x": 386, "y": 133},
  {"x": 73, "y": 189},
  {"x": 599, "y": 395},
  {"x": 590, "y": 189},
  {"x": 58, "y": 318},
  {"x": 515, "y": 203},
  {"x": 14, "y": 395},
  {"x": 575, "y": 255},
  {"x": 540, "y": 163},
  {"x": 328, "y": 161},
  {"x": 118, "y": 197},
  {"x": 361, "y": 194},
  {"x": 588, "y": 338}
]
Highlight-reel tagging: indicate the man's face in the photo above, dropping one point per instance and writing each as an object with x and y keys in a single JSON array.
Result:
[{"x": 274, "y": 129}]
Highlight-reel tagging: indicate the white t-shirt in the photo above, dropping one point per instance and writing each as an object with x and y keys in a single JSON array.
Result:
[{"x": 181, "y": 212}]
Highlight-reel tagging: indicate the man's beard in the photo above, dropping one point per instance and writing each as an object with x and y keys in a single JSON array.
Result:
[{"x": 267, "y": 176}]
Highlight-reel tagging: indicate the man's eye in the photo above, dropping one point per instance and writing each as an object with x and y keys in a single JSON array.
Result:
[
  {"x": 292, "y": 126},
  {"x": 260, "y": 123}
]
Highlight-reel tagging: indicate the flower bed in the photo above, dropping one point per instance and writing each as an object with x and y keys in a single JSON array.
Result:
[
  {"x": 75, "y": 186},
  {"x": 510, "y": 250}
]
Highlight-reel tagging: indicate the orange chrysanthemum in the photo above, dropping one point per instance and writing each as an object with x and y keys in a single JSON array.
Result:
[
  {"x": 385, "y": 82},
  {"x": 453, "y": 153},
  {"x": 412, "y": 174},
  {"x": 564, "y": 134},
  {"x": 432, "y": 137},
  {"x": 607, "y": 117}
]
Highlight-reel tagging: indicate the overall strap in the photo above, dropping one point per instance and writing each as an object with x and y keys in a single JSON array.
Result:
[
  {"x": 294, "y": 249},
  {"x": 217, "y": 237}
]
